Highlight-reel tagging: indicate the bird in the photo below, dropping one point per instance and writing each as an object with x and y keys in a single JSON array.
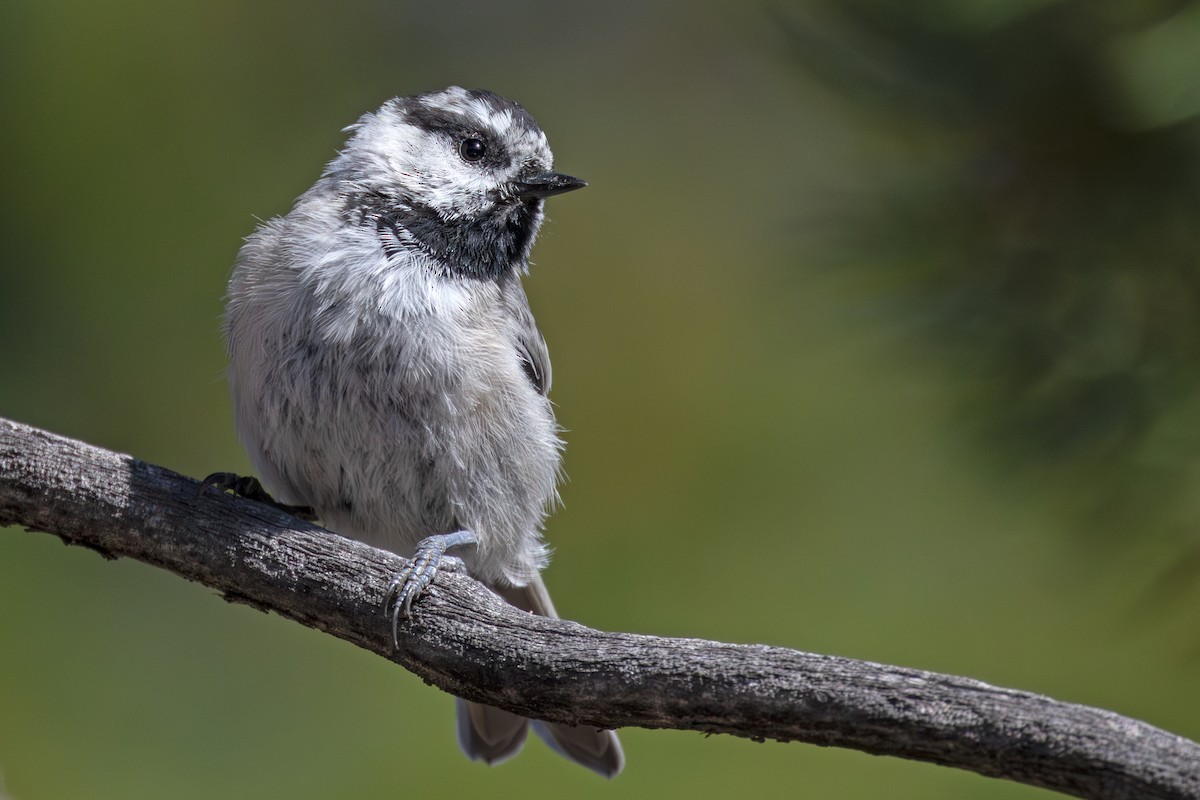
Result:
[{"x": 387, "y": 373}]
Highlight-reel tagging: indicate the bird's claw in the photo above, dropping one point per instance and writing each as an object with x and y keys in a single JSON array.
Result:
[
  {"x": 246, "y": 486},
  {"x": 249, "y": 487},
  {"x": 412, "y": 581}
]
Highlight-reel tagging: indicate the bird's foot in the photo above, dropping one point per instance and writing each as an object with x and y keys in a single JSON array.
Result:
[
  {"x": 428, "y": 558},
  {"x": 248, "y": 486}
]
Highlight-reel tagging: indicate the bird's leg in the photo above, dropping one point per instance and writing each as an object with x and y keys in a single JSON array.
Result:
[
  {"x": 415, "y": 578},
  {"x": 248, "y": 486}
]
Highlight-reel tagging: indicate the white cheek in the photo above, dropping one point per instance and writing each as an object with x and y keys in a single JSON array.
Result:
[{"x": 452, "y": 185}]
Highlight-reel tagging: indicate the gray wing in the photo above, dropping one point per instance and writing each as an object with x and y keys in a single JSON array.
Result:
[{"x": 531, "y": 347}]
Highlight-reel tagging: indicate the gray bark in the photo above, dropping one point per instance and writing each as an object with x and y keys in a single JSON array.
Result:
[{"x": 468, "y": 642}]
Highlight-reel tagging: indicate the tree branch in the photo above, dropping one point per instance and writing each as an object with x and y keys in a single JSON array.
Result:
[{"x": 465, "y": 640}]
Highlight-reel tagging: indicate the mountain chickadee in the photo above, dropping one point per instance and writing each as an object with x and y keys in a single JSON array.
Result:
[{"x": 387, "y": 372}]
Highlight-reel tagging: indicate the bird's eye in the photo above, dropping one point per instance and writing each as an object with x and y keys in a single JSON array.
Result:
[{"x": 472, "y": 149}]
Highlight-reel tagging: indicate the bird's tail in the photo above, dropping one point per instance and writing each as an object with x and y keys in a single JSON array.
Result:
[{"x": 492, "y": 735}]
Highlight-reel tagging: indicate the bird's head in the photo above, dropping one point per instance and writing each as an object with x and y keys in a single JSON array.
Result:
[{"x": 458, "y": 174}]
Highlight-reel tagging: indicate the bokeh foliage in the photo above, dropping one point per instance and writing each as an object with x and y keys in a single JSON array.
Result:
[{"x": 1045, "y": 239}]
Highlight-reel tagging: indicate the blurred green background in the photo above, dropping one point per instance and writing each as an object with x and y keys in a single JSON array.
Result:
[{"x": 876, "y": 334}]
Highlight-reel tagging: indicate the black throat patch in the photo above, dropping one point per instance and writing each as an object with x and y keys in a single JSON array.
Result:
[{"x": 483, "y": 247}]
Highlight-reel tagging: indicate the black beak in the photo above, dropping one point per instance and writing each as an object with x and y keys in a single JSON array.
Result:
[{"x": 546, "y": 185}]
